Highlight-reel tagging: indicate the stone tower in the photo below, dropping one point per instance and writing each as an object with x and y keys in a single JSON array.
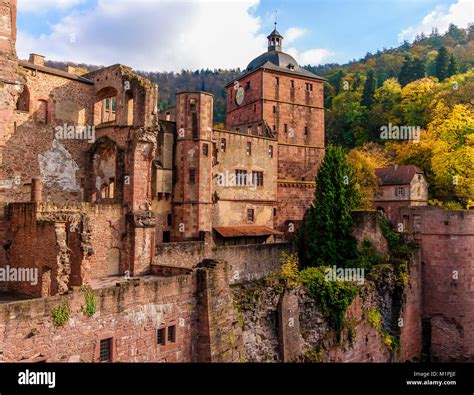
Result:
[
  {"x": 9, "y": 84},
  {"x": 10, "y": 89},
  {"x": 277, "y": 98},
  {"x": 193, "y": 173}
]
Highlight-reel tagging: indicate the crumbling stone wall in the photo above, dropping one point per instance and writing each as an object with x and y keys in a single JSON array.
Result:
[
  {"x": 75, "y": 242},
  {"x": 446, "y": 240},
  {"x": 129, "y": 313}
]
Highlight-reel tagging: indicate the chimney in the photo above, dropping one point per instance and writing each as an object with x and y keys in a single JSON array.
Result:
[
  {"x": 36, "y": 59},
  {"x": 76, "y": 70},
  {"x": 36, "y": 190}
]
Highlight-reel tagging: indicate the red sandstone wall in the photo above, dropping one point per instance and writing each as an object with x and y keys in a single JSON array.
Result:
[
  {"x": 368, "y": 344},
  {"x": 411, "y": 314},
  {"x": 130, "y": 313},
  {"x": 447, "y": 251},
  {"x": 293, "y": 199},
  {"x": 251, "y": 262}
]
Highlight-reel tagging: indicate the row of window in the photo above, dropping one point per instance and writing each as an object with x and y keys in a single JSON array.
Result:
[
  {"x": 308, "y": 86},
  {"x": 164, "y": 336},
  {"x": 223, "y": 147},
  {"x": 241, "y": 177}
]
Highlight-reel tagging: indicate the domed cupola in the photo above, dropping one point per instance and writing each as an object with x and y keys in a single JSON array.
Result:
[
  {"x": 277, "y": 60},
  {"x": 275, "y": 40}
]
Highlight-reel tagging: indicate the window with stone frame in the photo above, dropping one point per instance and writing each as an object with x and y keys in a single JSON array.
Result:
[{"x": 250, "y": 215}]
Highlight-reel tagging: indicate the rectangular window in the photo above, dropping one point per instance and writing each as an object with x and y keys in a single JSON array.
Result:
[
  {"x": 274, "y": 109},
  {"x": 107, "y": 104},
  {"x": 399, "y": 191},
  {"x": 241, "y": 177},
  {"x": 194, "y": 125},
  {"x": 192, "y": 176},
  {"x": 249, "y": 130},
  {"x": 292, "y": 84},
  {"x": 160, "y": 336},
  {"x": 247, "y": 85},
  {"x": 106, "y": 350},
  {"x": 172, "y": 334},
  {"x": 205, "y": 149},
  {"x": 309, "y": 87},
  {"x": 305, "y": 130},
  {"x": 277, "y": 81},
  {"x": 114, "y": 104},
  {"x": 249, "y": 149},
  {"x": 223, "y": 145},
  {"x": 192, "y": 105},
  {"x": 169, "y": 219},
  {"x": 250, "y": 215},
  {"x": 286, "y": 128},
  {"x": 270, "y": 151},
  {"x": 257, "y": 177}
]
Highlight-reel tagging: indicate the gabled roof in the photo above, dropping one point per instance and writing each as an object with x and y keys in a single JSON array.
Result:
[
  {"x": 397, "y": 174},
  {"x": 59, "y": 73}
]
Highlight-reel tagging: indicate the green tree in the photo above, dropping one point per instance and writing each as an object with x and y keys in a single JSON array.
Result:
[
  {"x": 346, "y": 117},
  {"x": 412, "y": 69},
  {"x": 369, "y": 89},
  {"x": 325, "y": 235},
  {"x": 442, "y": 64},
  {"x": 453, "y": 67}
]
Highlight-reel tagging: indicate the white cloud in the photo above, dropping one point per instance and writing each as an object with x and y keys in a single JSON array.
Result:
[
  {"x": 460, "y": 13},
  {"x": 313, "y": 56},
  {"x": 293, "y": 33},
  {"x": 153, "y": 35}
]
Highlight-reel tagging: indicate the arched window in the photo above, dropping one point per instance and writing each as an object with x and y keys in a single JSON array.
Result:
[
  {"x": 23, "y": 102},
  {"x": 105, "y": 106},
  {"x": 42, "y": 112}
]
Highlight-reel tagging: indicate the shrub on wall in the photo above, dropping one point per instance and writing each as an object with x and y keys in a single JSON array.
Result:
[
  {"x": 60, "y": 314},
  {"x": 332, "y": 297},
  {"x": 90, "y": 308}
]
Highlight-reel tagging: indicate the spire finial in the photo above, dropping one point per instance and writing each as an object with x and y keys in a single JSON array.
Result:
[{"x": 276, "y": 14}]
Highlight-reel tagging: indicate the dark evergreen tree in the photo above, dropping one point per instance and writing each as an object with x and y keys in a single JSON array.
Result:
[
  {"x": 453, "y": 67},
  {"x": 418, "y": 69},
  {"x": 412, "y": 69},
  {"x": 369, "y": 89},
  {"x": 442, "y": 64},
  {"x": 325, "y": 235}
]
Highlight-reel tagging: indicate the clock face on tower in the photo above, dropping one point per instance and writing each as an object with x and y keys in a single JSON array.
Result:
[{"x": 239, "y": 96}]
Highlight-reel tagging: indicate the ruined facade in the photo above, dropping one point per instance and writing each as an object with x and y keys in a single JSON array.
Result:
[{"x": 161, "y": 220}]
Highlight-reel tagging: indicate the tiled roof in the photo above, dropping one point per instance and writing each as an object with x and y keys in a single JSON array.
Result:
[
  {"x": 50, "y": 70},
  {"x": 397, "y": 174},
  {"x": 242, "y": 231}
]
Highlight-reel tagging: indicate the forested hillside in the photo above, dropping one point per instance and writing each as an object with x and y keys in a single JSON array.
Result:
[{"x": 406, "y": 62}]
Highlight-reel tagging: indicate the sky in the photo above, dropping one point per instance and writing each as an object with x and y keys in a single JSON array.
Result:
[{"x": 170, "y": 35}]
